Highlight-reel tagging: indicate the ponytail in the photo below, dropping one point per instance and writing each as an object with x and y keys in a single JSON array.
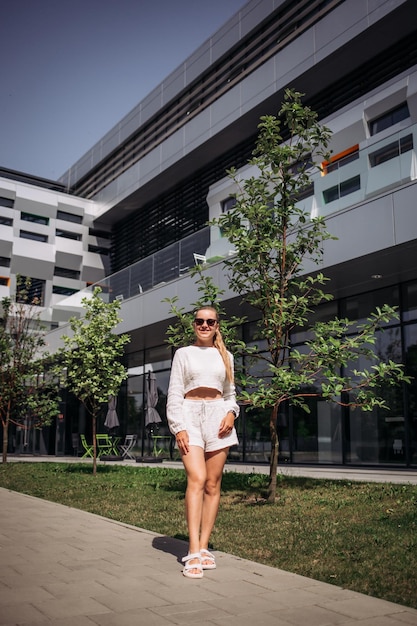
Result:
[{"x": 219, "y": 344}]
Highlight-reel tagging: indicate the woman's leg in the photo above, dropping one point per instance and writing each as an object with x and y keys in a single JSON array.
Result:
[
  {"x": 195, "y": 468},
  {"x": 214, "y": 471}
]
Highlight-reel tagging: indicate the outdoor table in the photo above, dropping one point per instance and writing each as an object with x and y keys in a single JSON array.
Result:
[
  {"x": 115, "y": 445},
  {"x": 155, "y": 439}
]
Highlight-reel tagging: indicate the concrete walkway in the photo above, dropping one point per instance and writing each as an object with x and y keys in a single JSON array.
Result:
[{"x": 64, "y": 567}]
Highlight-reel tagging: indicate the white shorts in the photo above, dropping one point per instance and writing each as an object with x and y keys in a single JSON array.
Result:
[{"x": 202, "y": 422}]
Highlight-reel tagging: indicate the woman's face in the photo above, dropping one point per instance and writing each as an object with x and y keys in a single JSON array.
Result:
[{"x": 205, "y": 326}]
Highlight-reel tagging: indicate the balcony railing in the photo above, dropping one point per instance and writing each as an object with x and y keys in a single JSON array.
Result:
[{"x": 158, "y": 269}]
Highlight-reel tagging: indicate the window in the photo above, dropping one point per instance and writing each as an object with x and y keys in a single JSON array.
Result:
[
  {"x": 31, "y": 293},
  {"x": 69, "y": 217},
  {"x": 98, "y": 249},
  {"x": 228, "y": 204},
  {"x": 7, "y": 202},
  {"x": 103, "y": 234},
  {"x": 359, "y": 307},
  {"x": 6, "y": 221},
  {"x": 63, "y": 291},
  {"x": 35, "y": 219},
  {"x": 25, "y": 234},
  {"x": 388, "y": 119},
  {"x": 344, "y": 189},
  {"x": 340, "y": 159},
  {"x": 409, "y": 299},
  {"x": 305, "y": 192},
  {"x": 392, "y": 150},
  {"x": 4, "y": 281},
  {"x": 67, "y": 234},
  {"x": 4, "y": 261},
  {"x": 66, "y": 273}
]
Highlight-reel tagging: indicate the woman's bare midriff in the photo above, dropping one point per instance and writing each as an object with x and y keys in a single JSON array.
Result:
[{"x": 203, "y": 393}]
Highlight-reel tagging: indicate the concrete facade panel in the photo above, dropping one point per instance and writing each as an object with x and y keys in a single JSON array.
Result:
[
  {"x": 91, "y": 274},
  {"x": 6, "y": 238},
  {"x": 69, "y": 260},
  {"x": 360, "y": 231},
  {"x": 405, "y": 214},
  {"x": 197, "y": 131},
  {"x": 109, "y": 144},
  {"x": 196, "y": 64},
  {"x": 225, "y": 38},
  {"x": 338, "y": 27},
  {"x": 172, "y": 149},
  {"x": 128, "y": 181},
  {"x": 253, "y": 13},
  {"x": 297, "y": 55},
  {"x": 174, "y": 83},
  {"x": 80, "y": 169},
  {"x": 39, "y": 265},
  {"x": 225, "y": 110},
  {"x": 151, "y": 104},
  {"x": 257, "y": 86},
  {"x": 150, "y": 165},
  {"x": 130, "y": 123},
  {"x": 379, "y": 8}
]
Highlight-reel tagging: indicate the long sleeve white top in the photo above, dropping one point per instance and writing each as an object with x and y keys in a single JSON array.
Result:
[{"x": 193, "y": 367}]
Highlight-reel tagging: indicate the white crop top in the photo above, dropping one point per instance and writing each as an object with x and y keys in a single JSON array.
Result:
[{"x": 192, "y": 367}]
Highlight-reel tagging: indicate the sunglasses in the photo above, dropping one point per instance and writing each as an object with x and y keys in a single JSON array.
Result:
[{"x": 199, "y": 321}]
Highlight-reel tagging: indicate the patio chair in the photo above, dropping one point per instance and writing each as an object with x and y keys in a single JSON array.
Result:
[
  {"x": 126, "y": 447},
  {"x": 104, "y": 445},
  {"x": 87, "y": 447}
]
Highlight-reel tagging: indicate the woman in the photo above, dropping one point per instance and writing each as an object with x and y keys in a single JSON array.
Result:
[{"x": 201, "y": 411}]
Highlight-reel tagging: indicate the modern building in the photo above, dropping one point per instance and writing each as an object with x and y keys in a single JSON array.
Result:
[{"x": 132, "y": 213}]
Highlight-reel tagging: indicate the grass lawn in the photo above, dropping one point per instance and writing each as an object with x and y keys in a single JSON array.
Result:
[{"x": 361, "y": 536}]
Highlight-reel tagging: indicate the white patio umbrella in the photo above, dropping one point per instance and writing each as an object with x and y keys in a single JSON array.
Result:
[{"x": 152, "y": 415}]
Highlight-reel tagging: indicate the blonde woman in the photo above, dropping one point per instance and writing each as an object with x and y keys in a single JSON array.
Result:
[{"x": 201, "y": 411}]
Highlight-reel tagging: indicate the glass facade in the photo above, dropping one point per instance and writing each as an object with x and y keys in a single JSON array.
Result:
[{"x": 330, "y": 433}]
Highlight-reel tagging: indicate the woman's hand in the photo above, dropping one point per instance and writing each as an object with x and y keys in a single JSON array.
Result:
[
  {"x": 182, "y": 440},
  {"x": 227, "y": 424}
]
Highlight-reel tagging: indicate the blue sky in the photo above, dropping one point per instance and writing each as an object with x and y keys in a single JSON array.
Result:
[{"x": 71, "y": 69}]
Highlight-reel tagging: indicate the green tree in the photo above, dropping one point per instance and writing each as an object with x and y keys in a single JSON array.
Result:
[
  {"x": 89, "y": 362},
  {"x": 29, "y": 393},
  {"x": 273, "y": 237}
]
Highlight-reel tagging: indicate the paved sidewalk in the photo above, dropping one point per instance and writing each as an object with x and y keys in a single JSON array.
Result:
[{"x": 64, "y": 567}]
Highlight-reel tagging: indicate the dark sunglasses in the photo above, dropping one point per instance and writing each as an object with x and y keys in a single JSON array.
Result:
[{"x": 199, "y": 321}]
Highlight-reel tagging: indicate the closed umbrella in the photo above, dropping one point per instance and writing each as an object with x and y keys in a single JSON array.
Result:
[
  {"x": 112, "y": 420},
  {"x": 152, "y": 415}
]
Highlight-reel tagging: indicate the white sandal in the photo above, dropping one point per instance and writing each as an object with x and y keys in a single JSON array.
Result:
[
  {"x": 208, "y": 556},
  {"x": 189, "y": 567}
]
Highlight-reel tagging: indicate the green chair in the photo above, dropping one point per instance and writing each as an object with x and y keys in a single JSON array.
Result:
[
  {"x": 87, "y": 447},
  {"x": 104, "y": 445}
]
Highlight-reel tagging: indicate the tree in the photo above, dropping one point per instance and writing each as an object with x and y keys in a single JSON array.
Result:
[
  {"x": 89, "y": 362},
  {"x": 29, "y": 393},
  {"x": 273, "y": 237}
]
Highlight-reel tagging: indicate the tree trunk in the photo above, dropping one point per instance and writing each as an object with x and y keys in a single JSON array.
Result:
[
  {"x": 272, "y": 487},
  {"x": 5, "y": 438},
  {"x": 94, "y": 445}
]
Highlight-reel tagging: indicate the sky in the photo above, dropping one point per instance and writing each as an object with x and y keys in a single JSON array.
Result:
[{"x": 72, "y": 69}]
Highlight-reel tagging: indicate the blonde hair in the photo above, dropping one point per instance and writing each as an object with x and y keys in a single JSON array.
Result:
[{"x": 219, "y": 343}]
